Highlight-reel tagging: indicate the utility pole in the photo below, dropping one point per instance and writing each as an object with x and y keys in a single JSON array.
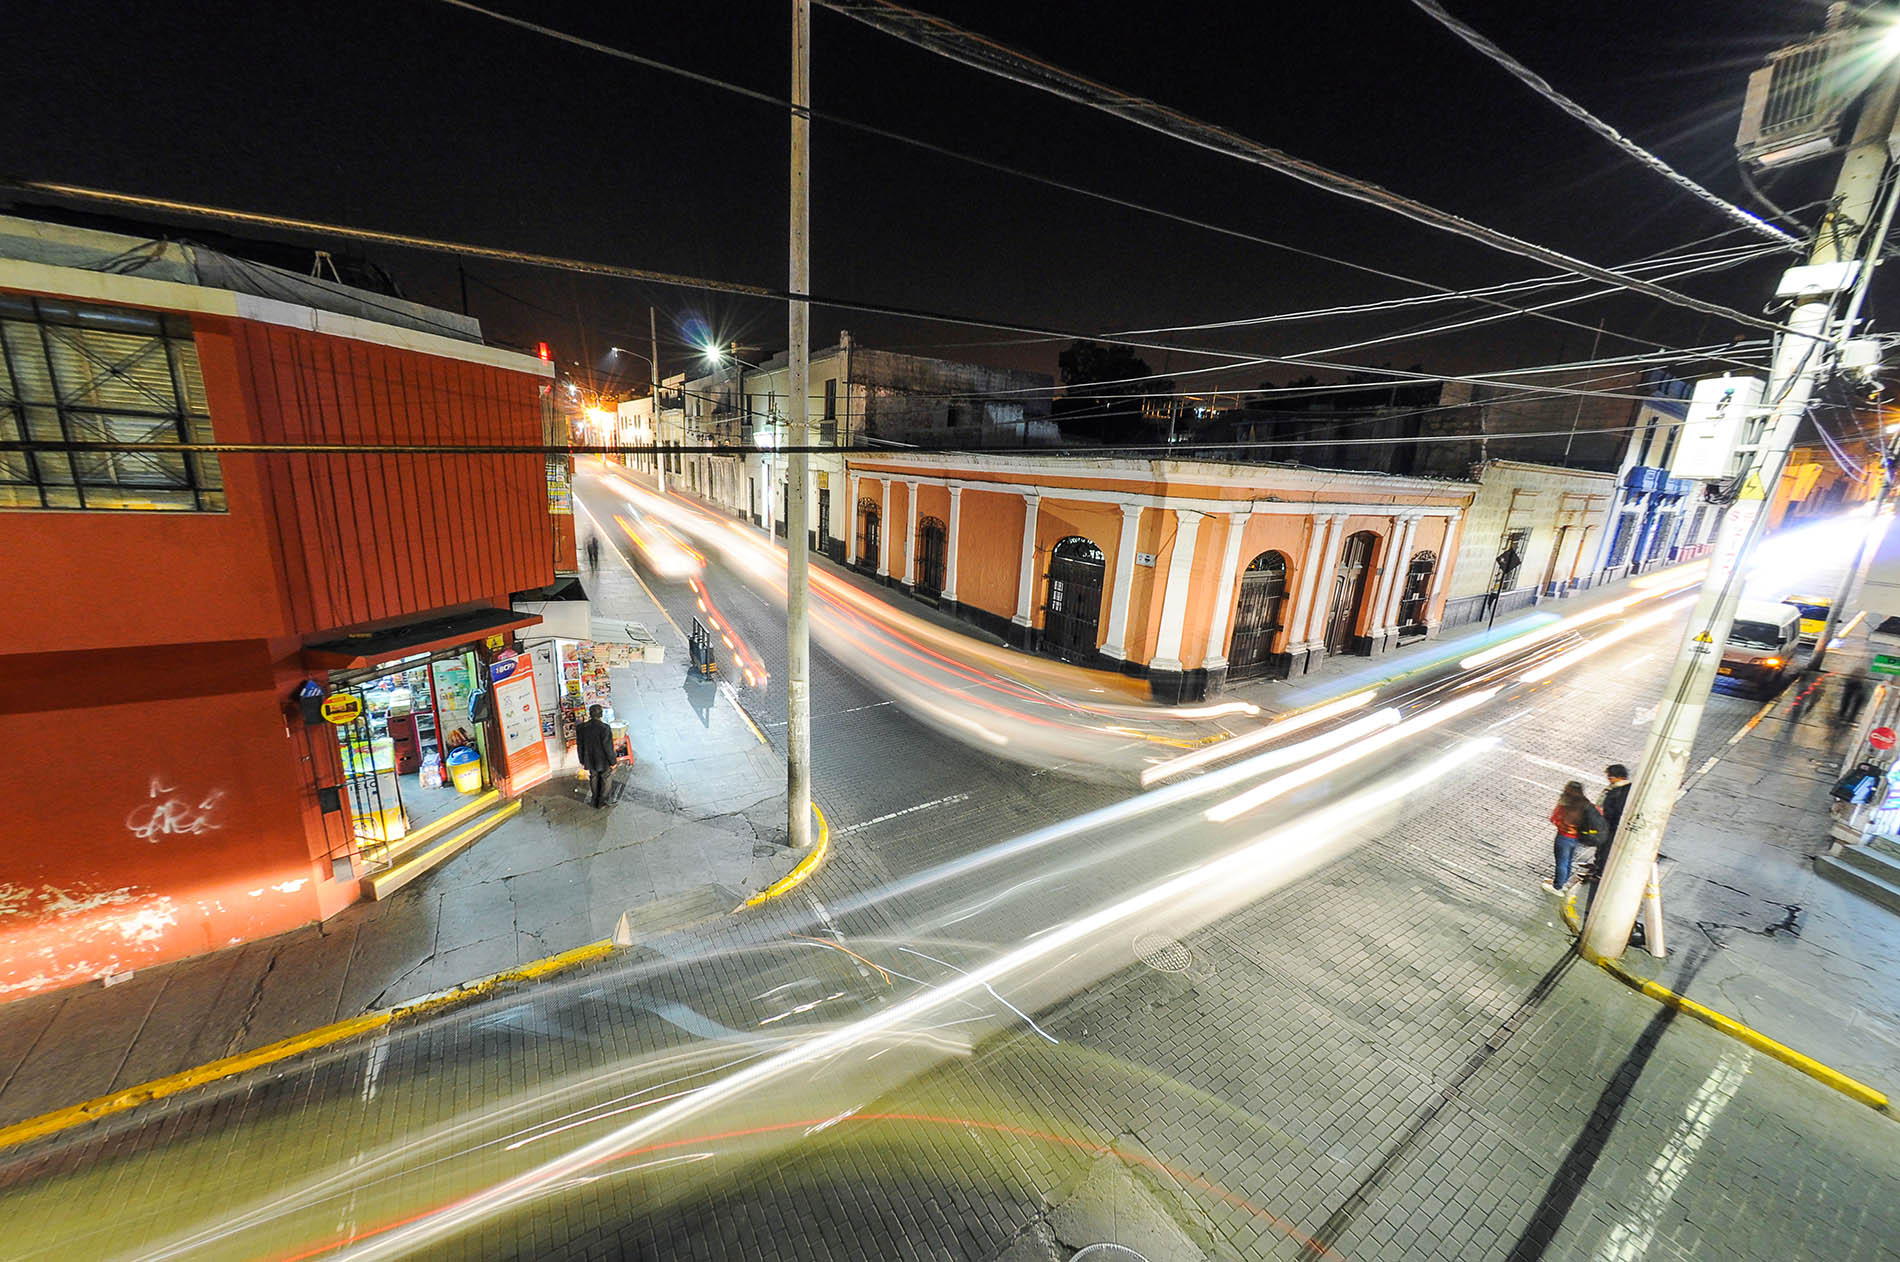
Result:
[
  {"x": 797, "y": 549},
  {"x": 1800, "y": 357},
  {"x": 653, "y": 366}
]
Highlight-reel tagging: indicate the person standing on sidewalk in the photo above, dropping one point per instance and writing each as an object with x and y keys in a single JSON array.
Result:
[
  {"x": 1571, "y": 817},
  {"x": 1612, "y": 807},
  {"x": 595, "y": 741},
  {"x": 593, "y": 552}
]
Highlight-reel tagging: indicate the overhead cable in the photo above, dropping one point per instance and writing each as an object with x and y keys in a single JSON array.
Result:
[
  {"x": 869, "y": 129},
  {"x": 1536, "y": 83},
  {"x": 944, "y": 39},
  {"x": 557, "y": 263}
]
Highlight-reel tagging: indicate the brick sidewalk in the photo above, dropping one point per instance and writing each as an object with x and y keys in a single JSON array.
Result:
[{"x": 702, "y": 807}]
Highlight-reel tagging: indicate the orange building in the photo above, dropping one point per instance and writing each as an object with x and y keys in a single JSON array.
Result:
[
  {"x": 174, "y": 622},
  {"x": 1187, "y": 573}
]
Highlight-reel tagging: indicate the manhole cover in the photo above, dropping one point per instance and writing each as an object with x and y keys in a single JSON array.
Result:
[
  {"x": 1157, "y": 951},
  {"x": 764, "y": 850},
  {"x": 1109, "y": 1252}
]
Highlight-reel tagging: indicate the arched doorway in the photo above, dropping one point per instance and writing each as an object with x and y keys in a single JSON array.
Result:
[
  {"x": 869, "y": 539},
  {"x": 1258, "y": 620},
  {"x": 1076, "y": 567},
  {"x": 1418, "y": 587},
  {"x": 932, "y": 537},
  {"x": 1349, "y": 591}
]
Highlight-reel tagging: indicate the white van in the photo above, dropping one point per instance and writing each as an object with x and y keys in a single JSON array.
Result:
[{"x": 1761, "y": 644}]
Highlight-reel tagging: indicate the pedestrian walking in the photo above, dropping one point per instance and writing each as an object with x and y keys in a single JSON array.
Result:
[
  {"x": 1853, "y": 697},
  {"x": 1578, "y": 822},
  {"x": 596, "y": 744},
  {"x": 593, "y": 552}
]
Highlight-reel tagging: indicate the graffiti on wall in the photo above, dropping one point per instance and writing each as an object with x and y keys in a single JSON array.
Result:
[{"x": 166, "y": 814}]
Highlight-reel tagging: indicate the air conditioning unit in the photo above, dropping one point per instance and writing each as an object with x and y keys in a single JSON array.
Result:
[{"x": 1795, "y": 103}]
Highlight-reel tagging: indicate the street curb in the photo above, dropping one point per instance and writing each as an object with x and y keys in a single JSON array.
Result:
[
  {"x": 45, "y": 1124},
  {"x": 1852, "y": 1088},
  {"x": 92, "y": 1110},
  {"x": 806, "y": 866}
]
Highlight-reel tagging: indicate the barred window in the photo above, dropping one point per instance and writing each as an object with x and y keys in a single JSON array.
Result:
[{"x": 76, "y": 373}]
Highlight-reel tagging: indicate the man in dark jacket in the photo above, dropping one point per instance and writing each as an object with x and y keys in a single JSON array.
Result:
[
  {"x": 1612, "y": 807},
  {"x": 596, "y": 747}
]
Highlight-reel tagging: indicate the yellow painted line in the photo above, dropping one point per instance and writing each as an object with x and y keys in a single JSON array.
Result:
[
  {"x": 1852, "y": 1088},
  {"x": 393, "y": 852},
  {"x": 384, "y": 884},
  {"x": 310, "y": 1040},
  {"x": 806, "y": 866},
  {"x": 756, "y": 729}
]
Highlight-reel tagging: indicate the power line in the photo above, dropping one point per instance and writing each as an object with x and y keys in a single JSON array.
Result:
[
  {"x": 753, "y": 94},
  {"x": 946, "y": 40},
  {"x": 589, "y": 267},
  {"x": 1536, "y": 83}
]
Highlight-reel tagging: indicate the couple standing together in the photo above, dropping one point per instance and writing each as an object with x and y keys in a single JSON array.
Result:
[{"x": 1581, "y": 822}]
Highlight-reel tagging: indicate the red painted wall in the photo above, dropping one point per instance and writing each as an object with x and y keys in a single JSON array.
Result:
[{"x": 160, "y": 800}]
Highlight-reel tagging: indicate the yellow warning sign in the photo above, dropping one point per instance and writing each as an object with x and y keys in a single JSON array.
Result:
[
  {"x": 1751, "y": 489},
  {"x": 1702, "y": 637}
]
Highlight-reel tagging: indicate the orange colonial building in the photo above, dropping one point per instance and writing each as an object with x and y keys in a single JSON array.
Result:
[{"x": 1188, "y": 573}]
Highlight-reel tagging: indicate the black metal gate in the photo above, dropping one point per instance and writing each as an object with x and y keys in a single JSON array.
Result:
[
  {"x": 1418, "y": 584},
  {"x": 932, "y": 537},
  {"x": 868, "y": 537},
  {"x": 824, "y": 517},
  {"x": 1076, "y": 568},
  {"x": 1257, "y": 621},
  {"x": 1349, "y": 590}
]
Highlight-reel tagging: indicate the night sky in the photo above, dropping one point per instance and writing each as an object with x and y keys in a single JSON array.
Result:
[{"x": 414, "y": 116}]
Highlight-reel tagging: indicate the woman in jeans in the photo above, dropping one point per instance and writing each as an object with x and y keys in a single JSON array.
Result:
[{"x": 1568, "y": 816}]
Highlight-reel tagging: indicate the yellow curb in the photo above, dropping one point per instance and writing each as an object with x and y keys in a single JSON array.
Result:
[
  {"x": 1852, "y": 1088},
  {"x": 310, "y": 1040},
  {"x": 805, "y": 868}
]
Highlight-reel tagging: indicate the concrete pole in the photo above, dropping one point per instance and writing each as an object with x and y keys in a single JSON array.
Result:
[
  {"x": 653, "y": 366},
  {"x": 797, "y": 515},
  {"x": 1800, "y": 357}
]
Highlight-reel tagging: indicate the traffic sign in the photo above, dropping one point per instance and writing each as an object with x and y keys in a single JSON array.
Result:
[
  {"x": 1881, "y": 738},
  {"x": 342, "y": 708}
]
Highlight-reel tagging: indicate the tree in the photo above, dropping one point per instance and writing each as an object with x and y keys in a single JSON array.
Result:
[{"x": 1108, "y": 367}]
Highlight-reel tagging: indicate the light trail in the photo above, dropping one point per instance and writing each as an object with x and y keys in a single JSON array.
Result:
[
  {"x": 1246, "y": 872},
  {"x": 1590, "y": 648},
  {"x": 1239, "y": 744},
  {"x": 1320, "y": 768}
]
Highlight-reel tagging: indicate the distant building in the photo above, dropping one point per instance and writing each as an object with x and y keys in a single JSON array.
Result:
[
  {"x": 177, "y": 621},
  {"x": 857, "y": 395}
]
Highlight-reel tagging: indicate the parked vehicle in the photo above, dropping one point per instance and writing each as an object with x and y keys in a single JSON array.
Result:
[
  {"x": 1761, "y": 644},
  {"x": 1814, "y": 610}
]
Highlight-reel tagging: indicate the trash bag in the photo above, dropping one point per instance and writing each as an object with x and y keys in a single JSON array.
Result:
[{"x": 430, "y": 775}]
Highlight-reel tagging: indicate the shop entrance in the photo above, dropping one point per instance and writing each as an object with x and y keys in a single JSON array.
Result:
[{"x": 413, "y": 754}]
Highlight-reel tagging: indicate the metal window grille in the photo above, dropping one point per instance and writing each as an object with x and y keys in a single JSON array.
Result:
[{"x": 75, "y": 373}]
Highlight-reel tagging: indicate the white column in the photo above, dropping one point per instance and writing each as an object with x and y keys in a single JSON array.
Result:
[
  {"x": 1116, "y": 646},
  {"x": 950, "y": 545},
  {"x": 851, "y": 518},
  {"x": 1224, "y": 592},
  {"x": 1401, "y": 563},
  {"x": 1026, "y": 569},
  {"x": 1438, "y": 571},
  {"x": 1322, "y": 594},
  {"x": 884, "y": 533},
  {"x": 1308, "y": 582},
  {"x": 1382, "y": 585},
  {"x": 1174, "y": 602},
  {"x": 910, "y": 539}
]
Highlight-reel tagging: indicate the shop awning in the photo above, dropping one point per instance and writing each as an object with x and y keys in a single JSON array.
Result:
[{"x": 374, "y": 648}]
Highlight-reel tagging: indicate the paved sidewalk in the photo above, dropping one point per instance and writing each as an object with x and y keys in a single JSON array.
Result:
[
  {"x": 702, "y": 807},
  {"x": 1802, "y": 960}
]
